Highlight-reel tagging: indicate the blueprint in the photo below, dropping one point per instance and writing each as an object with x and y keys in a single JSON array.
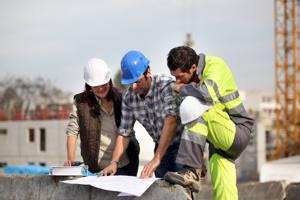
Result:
[{"x": 127, "y": 185}]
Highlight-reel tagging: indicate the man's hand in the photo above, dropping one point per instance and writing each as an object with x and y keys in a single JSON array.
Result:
[
  {"x": 149, "y": 168},
  {"x": 177, "y": 85},
  {"x": 109, "y": 170}
]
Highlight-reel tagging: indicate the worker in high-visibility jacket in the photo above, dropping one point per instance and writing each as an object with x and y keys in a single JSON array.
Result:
[{"x": 210, "y": 80}]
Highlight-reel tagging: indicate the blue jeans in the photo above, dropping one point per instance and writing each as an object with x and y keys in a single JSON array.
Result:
[{"x": 168, "y": 163}]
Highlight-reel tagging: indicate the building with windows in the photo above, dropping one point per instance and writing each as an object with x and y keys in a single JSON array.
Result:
[
  {"x": 261, "y": 105},
  {"x": 33, "y": 142}
]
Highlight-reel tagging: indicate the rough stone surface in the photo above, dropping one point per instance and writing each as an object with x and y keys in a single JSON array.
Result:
[
  {"x": 293, "y": 191},
  {"x": 262, "y": 191},
  {"x": 249, "y": 191},
  {"x": 40, "y": 187}
]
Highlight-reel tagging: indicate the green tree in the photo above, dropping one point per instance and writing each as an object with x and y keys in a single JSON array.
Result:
[
  {"x": 117, "y": 81},
  {"x": 117, "y": 78}
]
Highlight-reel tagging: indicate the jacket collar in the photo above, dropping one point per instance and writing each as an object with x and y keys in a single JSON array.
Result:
[{"x": 201, "y": 65}]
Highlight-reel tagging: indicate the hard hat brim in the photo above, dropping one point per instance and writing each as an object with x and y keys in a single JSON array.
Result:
[
  {"x": 128, "y": 81},
  {"x": 94, "y": 84}
]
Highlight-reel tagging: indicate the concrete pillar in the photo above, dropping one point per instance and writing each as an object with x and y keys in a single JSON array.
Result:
[{"x": 261, "y": 144}]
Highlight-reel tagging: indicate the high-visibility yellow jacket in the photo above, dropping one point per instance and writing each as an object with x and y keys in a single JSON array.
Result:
[{"x": 217, "y": 86}]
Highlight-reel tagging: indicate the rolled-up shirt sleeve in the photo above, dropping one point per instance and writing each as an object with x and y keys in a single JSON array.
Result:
[
  {"x": 73, "y": 127},
  {"x": 171, "y": 102},
  {"x": 127, "y": 119}
]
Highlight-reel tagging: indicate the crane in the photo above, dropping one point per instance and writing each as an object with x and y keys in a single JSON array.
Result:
[{"x": 287, "y": 36}]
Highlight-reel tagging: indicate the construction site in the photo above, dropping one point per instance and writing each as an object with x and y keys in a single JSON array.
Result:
[{"x": 33, "y": 123}]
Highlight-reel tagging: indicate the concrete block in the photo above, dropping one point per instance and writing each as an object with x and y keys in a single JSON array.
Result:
[
  {"x": 204, "y": 193},
  {"x": 39, "y": 187},
  {"x": 274, "y": 190},
  {"x": 5, "y": 187},
  {"x": 293, "y": 191},
  {"x": 249, "y": 191}
]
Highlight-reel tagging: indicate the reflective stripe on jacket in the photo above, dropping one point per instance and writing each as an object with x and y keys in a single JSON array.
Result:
[{"x": 217, "y": 85}]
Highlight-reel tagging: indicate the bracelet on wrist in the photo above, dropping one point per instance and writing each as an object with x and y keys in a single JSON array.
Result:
[{"x": 114, "y": 161}]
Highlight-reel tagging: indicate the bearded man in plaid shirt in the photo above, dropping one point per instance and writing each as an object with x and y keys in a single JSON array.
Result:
[{"x": 150, "y": 101}]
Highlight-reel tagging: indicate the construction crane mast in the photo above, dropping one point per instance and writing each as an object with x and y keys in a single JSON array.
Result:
[{"x": 287, "y": 84}]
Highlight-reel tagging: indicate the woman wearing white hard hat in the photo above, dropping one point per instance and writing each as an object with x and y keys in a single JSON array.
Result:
[{"x": 95, "y": 118}]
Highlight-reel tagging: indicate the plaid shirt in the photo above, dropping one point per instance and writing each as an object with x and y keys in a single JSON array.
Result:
[{"x": 151, "y": 110}]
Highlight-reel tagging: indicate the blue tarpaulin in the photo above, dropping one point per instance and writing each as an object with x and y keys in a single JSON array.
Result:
[
  {"x": 32, "y": 169},
  {"x": 26, "y": 169}
]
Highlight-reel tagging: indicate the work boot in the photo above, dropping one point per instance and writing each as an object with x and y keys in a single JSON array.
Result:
[{"x": 187, "y": 177}]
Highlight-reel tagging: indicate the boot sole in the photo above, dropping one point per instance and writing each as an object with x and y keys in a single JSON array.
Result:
[{"x": 194, "y": 187}]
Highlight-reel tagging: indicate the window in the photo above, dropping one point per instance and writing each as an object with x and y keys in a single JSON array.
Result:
[
  {"x": 31, "y": 163},
  {"x": 43, "y": 139},
  {"x": 2, "y": 164},
  {"x": 3, "y": 131},
  {"x": 268, "y": 136},
  {"x": 43, "y": 164},
  {"x": 31, "y": 135}
]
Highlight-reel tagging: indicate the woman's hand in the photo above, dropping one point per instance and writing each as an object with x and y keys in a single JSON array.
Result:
[{"x": 68, "y": 163}]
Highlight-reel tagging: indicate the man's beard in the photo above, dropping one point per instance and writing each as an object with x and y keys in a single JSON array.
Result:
[{"x": 192, "y": 79}]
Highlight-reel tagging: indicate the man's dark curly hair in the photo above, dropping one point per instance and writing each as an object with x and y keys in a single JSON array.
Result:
[{"x": 182, "y": 57}]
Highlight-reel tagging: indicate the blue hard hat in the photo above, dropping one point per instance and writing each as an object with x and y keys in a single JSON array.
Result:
[{"x": 133, "y": 65}]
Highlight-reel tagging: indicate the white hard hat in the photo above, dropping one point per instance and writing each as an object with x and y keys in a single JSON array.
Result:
[
  {"x": 96, "y": 72},
  {"x": 191, "y": 108}
]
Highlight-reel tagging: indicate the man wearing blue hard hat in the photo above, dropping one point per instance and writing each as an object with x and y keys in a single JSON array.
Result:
[{"x": 150, "y": 101}]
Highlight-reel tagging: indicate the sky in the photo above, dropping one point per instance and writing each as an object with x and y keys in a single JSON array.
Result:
[{"x": 54, "y": 39}]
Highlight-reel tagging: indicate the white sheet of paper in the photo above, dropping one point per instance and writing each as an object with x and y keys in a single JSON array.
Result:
[
  {"x": 125, "y": 184},
  {"x": 82, "y": 181}
]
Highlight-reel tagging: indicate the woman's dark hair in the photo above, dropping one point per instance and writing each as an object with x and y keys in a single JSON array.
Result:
[
  {"x": 182, "y": 57},
  {"x": 90, "y": 97}
]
